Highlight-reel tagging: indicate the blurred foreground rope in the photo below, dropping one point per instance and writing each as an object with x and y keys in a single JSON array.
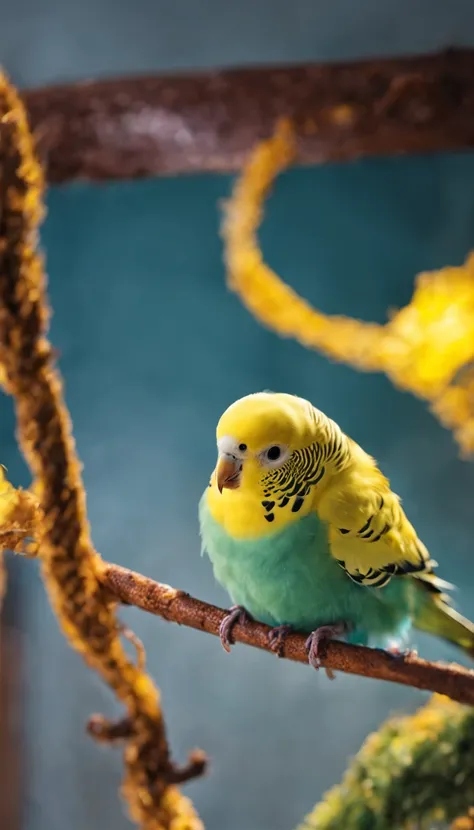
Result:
[
  {"x": 19, "y": 517},
  {"x": 415, "y": 772},
  {"x": 69, "y": 562},
  {"x": 465, "y": 822},
  {"x": 426, "y": 348}
]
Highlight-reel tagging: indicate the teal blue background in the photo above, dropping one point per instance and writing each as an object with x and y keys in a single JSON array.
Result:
[{"x": 153, "y": 348}]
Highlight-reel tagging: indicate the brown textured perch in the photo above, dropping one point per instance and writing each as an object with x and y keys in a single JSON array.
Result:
[
  {"x": 176, "y": 606},
  {"x": 147, "y": 126}
]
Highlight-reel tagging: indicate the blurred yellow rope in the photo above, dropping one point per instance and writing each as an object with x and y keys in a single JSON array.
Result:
[
  {"x": 426, "y": 348},
  {"x": 71, "y": 567},
  {"x": 465, "y": 822}
]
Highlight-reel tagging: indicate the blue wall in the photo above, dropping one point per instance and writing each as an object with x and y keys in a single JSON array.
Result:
[
  {"x": 153, "y": 348},
  {"x": 50, "y": 41}
]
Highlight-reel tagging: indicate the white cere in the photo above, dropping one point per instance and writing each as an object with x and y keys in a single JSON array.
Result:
[{"x": 227, "y": 445}]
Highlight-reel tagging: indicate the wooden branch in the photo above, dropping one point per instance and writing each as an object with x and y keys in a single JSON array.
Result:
[
  {"x": 176, "y": 606},
  {"x": 147, "y": 126}
]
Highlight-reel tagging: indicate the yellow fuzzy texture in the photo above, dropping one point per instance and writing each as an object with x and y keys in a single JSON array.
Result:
[
  {"x": 427, "y": 347},
  {"x": 71, "y": 567},
  {"x": 19, "y": 513}
]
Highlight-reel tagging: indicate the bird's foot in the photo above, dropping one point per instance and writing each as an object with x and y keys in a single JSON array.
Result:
[
  {"x": 396, "y": 651},
  {"x": 324, "y": 632},
  {"x": 236, "y": 614},
  {"x": 277, "y": 637}
]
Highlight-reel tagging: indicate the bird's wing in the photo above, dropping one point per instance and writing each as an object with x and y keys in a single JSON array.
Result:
[{"x": 369, "y": 533}]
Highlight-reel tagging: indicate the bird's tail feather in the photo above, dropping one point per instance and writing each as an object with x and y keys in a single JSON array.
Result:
[{"x": 435, "y": 616}]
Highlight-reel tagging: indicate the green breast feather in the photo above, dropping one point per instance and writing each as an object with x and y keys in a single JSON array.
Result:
[{"x": 290, "y": 578}]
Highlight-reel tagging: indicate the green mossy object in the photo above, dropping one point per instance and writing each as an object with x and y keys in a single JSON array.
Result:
[{"x": 414, "y": 772}]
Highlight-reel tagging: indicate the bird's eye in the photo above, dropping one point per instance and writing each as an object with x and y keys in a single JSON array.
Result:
[
  {"x": 274, "y": 456},
  {"x": 242, "y": 447},
  {"x": 273, "y": 453}
]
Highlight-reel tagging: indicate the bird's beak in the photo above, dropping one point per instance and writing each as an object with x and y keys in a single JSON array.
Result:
[{"x": 228, "y": 473}]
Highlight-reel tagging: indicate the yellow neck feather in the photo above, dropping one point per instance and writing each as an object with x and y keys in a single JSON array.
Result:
[{"x": 243, "y": 515}]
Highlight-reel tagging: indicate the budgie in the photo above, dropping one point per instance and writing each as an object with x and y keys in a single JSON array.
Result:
[{"x": 305, "y": 534}]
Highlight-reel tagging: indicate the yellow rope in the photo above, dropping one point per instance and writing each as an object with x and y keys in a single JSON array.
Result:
[
  {"x": 70, "y": 565},
  {"x": 421, "y": 349}
]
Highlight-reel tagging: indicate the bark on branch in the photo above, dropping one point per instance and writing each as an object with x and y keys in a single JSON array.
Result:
[
  {"x": 132, "y": 588},
  {"x": 147, "y": 126}
]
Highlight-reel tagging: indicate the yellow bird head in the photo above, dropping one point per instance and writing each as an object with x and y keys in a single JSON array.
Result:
[
  {"x": 273, "y": 451},
  {"x": 257, "y": 434}
]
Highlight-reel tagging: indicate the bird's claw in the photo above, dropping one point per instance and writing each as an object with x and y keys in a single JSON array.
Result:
[
  {"x": 324, "y": 632},
  {"x": 396, "y": 651},
  {"x": 277, "y": 636},
  {"x": 236, "y": 614}
]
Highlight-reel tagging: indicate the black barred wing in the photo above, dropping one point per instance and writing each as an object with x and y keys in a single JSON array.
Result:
[{"x": 372, "y": 538}]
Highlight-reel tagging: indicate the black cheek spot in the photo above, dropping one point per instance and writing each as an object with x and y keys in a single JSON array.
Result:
[
  {"x": 283, "y": 502},
  {"x": 298, "y": 503},
  {"x": 268, "y": 505},
  {"x": 269, "y": 517}
]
